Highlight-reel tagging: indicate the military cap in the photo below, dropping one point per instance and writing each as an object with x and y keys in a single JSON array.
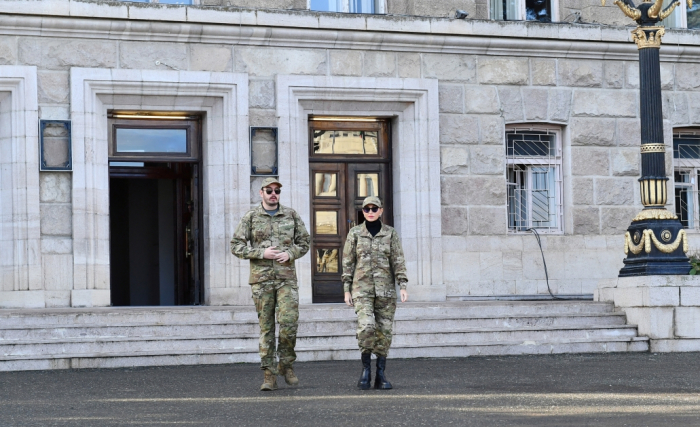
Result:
[
  {"x": 372, "y": 200},
  {"x": 269, "y": 181}
]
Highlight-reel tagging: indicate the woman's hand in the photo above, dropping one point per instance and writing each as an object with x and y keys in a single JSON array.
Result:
[
  {"x": 404, "y": 295},
  {"x": 348, "y": 298}
]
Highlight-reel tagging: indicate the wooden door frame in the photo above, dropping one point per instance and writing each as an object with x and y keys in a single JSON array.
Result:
[{"x": 172, "y": 171}]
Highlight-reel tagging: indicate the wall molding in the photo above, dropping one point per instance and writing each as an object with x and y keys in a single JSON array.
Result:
[
  {"x": 292, "y": 29},
  {"x": 413, "y": 106},
  {"x": 20, "y": 238},
  {"x": 223, "y": 97}
]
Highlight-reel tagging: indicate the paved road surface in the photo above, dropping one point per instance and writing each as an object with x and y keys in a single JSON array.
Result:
[{"x": 577, "y": 390}]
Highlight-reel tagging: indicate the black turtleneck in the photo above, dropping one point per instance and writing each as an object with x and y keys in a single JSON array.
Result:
[{"x": 373, "y": 227}]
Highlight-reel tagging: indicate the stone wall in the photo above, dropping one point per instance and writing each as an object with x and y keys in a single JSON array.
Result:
[
  {"x": 589, "y": 11},
  {"x": 664, "y": 308},
  {"x": 560, "y": 81}
]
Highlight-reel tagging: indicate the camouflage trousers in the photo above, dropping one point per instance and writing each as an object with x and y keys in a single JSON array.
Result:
[
  {"x": 280, "y": 299},
  {"x": 375, "y": 320}
]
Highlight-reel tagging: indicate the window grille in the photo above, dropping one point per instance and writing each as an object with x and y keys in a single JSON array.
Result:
[
  {"x": 686, "y": 173},
  {"x": 534, "y": 179}
]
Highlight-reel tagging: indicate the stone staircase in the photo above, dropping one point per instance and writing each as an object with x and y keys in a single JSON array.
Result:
[{"x": 153, "y": 336}]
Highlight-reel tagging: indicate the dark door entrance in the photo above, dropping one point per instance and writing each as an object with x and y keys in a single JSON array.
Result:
[
  {"x": 349, "y": 160},
  {"x": 155, "y": 213}
]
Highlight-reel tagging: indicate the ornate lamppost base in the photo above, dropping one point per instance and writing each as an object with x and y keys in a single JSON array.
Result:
[{"x": 655, "y": 244}]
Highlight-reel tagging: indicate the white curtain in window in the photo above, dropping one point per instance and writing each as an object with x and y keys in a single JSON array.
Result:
[
  {"x": 510, "y": 6},
  {"x": 543, "y": 200},
  {"x": 674, "y": 19},
  {"x": 361, "y": 6}
]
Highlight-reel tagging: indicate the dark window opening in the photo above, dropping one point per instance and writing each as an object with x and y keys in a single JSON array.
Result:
[{"x": 538, "y": 10}]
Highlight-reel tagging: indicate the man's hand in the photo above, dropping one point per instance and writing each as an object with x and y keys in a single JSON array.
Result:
[
  {"x": 348, "y": 298},
  {"x": 271, "y": 253},
  {"x": 282, "y": 257},
  {"x": 404, "y": 295}
]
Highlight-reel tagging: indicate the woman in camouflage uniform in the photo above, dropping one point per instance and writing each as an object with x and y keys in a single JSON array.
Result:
[{"x": 373, "y": 262}]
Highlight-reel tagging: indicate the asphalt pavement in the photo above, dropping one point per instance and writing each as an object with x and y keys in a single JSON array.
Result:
[{"x": 552, "y": 390}]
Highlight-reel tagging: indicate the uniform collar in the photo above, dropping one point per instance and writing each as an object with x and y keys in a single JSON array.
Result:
[
  {"x": 383, "y": 232},
  {"x": 262, "y": 211}
]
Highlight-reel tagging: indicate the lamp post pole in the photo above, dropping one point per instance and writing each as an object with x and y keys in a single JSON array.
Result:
[{"x": 655, "y": 242}]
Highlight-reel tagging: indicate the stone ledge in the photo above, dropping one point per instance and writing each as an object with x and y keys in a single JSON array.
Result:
[
  {"x": 647, "y": 297},
  {"x": 650, "y": 282},
  {"x": 667, "y": 346},
  {"x": 389, "y": 32},
  {"x": 90, "y": 298},
  {"x": 664, "y": 308},
  {"x": 22, "y": 299}
]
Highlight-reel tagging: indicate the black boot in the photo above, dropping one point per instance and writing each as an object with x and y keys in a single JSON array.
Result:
[
  {"x": 380, "y": 380},
  {"x": 366, "y": 377}
]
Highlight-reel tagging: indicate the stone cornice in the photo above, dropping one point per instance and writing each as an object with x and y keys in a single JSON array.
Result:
[{"x": 304, "y": 29}]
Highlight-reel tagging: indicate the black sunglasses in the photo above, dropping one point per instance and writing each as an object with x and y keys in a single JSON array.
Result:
[
  {"x": 374, "y": 209},
  {"x": 270, "y": 190}
]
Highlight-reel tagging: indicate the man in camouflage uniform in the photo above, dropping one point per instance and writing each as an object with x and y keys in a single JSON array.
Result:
[
  {"x": 373, "y": 262},
  {"x": 277, "y": 237}
]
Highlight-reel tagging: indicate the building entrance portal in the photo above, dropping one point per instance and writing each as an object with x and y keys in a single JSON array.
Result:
[
  {"x": 155, "y": 212},
  {"x": 349, "y": 160}
]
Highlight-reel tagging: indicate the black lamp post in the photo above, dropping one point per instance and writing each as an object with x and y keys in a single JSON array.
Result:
[{"x": 655, "y": 242}]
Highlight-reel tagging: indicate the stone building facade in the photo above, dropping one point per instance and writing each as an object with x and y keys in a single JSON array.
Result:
[{"x": 455, "y": 93}]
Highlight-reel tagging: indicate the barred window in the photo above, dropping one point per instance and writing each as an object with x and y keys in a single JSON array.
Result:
[
  {"x": 534, "y": 178},
  {"x": 686, "y": 172}
]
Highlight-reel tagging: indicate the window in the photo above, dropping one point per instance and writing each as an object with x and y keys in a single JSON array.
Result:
[
  {"x": 524, "y": 10},
  {"x": 534, "y": 178},
  {"x": 682, "y": 16},
  {"x": 138, "y": 135},
  {"x": 348, "y": 6},
  {"x": 686, "y": 171}
]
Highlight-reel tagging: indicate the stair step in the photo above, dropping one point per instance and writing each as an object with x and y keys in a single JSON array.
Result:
[
  {"x": 305, "y": 327},
  {"x": 250, "y": 341},
  {"x": 311, "y": 354},
  {"x": 306, "y": 347},
  {"x": 152, "y": 336},
  {"x": 189, "y": 315}
]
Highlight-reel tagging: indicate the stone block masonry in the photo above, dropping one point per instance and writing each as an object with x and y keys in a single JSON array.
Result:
[
  {"x": 480, "y": 91},
  {"x": 664, "y": 308}
]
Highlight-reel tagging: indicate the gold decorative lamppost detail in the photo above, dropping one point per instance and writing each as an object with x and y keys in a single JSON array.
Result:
[{"x": 655, "y": 242}]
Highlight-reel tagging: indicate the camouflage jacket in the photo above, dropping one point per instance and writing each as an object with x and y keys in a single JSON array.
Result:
[
  {"x": 371, "y": 265},
  {"x": 285, "y": 231}
]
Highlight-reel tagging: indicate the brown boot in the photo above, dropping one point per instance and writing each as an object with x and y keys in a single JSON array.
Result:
[
  {"x": 288, "y": 374},
  {"x": 270, "y": 382}
]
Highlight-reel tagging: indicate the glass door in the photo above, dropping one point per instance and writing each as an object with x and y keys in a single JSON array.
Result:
[
  {"x": 328, "y": 228},
  {"x": 349, "y": 160}
]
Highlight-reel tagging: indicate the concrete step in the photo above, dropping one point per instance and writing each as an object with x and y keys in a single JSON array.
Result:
[
  {"x": 306, "y": 346},
  {"x": 189, "y": 315},
  {"x": 305, "y": 354},
  {"x": 334, "y": 341},
  {"x": 150, "y": 336},
  {"x": 306, "y": 327}
]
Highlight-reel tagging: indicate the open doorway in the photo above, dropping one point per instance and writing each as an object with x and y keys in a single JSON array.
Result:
[{"x": 155, "y": 211}]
